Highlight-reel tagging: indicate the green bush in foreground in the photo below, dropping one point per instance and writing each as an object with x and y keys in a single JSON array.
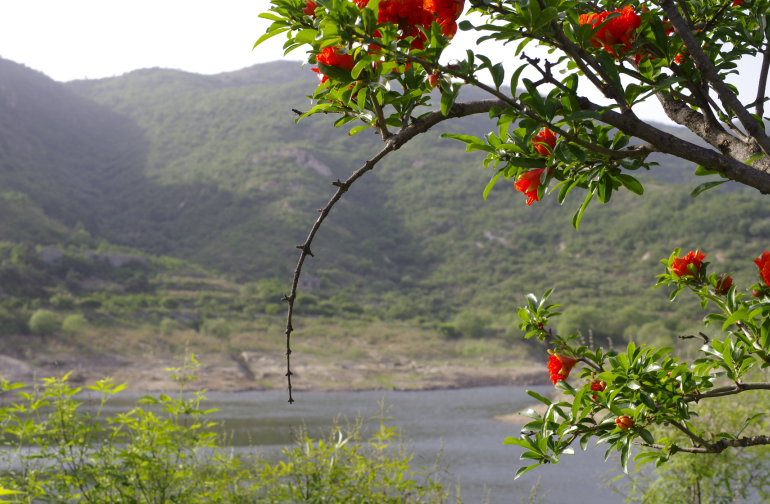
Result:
[{"x": 166, "y": 451}]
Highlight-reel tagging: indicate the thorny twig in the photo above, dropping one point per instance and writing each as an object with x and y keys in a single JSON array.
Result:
[{"x": 393, "y": 142}]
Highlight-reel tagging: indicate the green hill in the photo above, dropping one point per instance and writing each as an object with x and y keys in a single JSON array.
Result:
[{"x": 213, "y": 170}]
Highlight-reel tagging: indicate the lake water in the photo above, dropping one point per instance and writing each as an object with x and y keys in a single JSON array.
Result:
[{"x": 462, "y": 419}]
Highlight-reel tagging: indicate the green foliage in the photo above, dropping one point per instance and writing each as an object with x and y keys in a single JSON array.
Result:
[
  {"x": 417, "y": 239},
  {"x": 470, "y": 324},
  {"x": 646, "y": 387},
  {"x": 75, "y": 323},
  {"x": 166, "y": 450},
  {"x": 44, "y": 322},
  {"x": 168, "y": 326},
  {"x": 219, "y": 328},
  {"x": 63, "y": 302},
  {"x": 724, "y": 478},
  {"x": 169, "y": 303}
]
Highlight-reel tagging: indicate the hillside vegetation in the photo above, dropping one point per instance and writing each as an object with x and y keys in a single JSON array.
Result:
[{"x": 212, "y": 170}]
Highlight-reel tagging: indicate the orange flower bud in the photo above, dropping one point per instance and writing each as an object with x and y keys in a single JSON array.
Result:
[{"x": 624, "y": 422}]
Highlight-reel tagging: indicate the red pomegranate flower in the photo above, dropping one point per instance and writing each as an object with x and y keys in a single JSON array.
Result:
[
  {"x": 559, "y": 367},
  {"x": 407, "y": 15},
  {"x": 447, "y": 12},
  {"x": 736, "y": 3},
  {"x": 323, "y": 78},
  {"x": 624, "y": 422},
  {"x": 528, "y": 183},
  {"x": 310, "y": 7},
  {"x": 361, "y": 3},
  {"x": 598, "y": 386},
  {"x": 331, "y": 56},
  {"x": 547, "y": 137},
  {"x": 619, "y": 30},
  {"x": 763, "y": 262},
  {"x": 680, "y": 266},
  {"x": 723, "y": 284}
]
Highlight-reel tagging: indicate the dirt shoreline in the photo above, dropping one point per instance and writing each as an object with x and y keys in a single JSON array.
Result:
[{"x": 253, "y": 372}]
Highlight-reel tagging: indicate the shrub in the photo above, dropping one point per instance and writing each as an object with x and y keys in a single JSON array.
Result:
[
  {"x": 90, "y": 304},
  {"x": 168, "y": 326},
  {"x": 74, "y": 324},
  {"x": 44, "y": 322},
  {"x": 218, "y": 328},
  {"x": 470, "y": 324},
  {"x": 145, "y": 457},
  {"x": 169, "y": 303},
  {"x": 272, "y": 308},
  {"x": 250, "y": 289},
  {"x": 63, "y": 302},
  {"x": 449, "y": 331}
]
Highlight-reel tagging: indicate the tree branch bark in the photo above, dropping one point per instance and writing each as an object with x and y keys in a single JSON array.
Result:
[
  {"x": 669, "y": 144},
  {"x": 761, "y": 88},
  {"x": 710, "y": 74}
]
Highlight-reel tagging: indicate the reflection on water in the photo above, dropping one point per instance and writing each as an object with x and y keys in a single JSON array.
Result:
[{"x": 462, "y": 419}]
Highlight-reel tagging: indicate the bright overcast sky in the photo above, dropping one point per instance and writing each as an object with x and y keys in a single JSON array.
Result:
[{"x": 97, "y": 38}]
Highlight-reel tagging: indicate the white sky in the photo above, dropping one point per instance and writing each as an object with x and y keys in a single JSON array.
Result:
[{"x": 99, "y": 38}]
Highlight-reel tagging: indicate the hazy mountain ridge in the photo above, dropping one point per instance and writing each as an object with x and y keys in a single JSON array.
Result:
[{"x": 213, "y": 169}]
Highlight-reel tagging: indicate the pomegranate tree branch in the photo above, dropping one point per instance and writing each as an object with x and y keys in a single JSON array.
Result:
[
  {"x": 710, "y": 74},
  {"x": 393, "y": 142},
  {"x": 761, "y": 89},
  {"x": 717, "y": 447}
]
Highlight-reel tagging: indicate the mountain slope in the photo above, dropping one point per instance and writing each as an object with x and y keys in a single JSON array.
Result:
[{"x": 213, "y": 169}]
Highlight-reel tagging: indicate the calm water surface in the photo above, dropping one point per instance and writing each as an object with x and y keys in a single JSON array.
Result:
[{"x": 462, "y": 419}]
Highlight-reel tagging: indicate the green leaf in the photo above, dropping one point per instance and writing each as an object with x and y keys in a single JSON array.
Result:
[
  {"x": 492, "y": 182},
  {"x": 464, "y": 138},
  {"x": 522, "y": 162},
  {"x": 545, "y": 17},
  {"x": 577, "y": 403},
  {"x": 268, "y": 35},
  {"x": 630, "y": 183},
  {"x": 539, "y": 397},
  {"x": 579, "y": 214},
  {"x": 498, "y": 74},
  {"x": 582, "y": 115},
  {"x": 522, "y": 470},
  {"x": 358, "y": 129},
  {"x": 702, "y": 171},
  {"x": 306, "y": 36},
  {"x": 647, "y": 400},
  {"x": 336, "y": 73},
  {"x": 515, "y": 79},
  {"x": 448, "y": 99},
  {"x": 624, "y": 453},
  {"x": 747, "y": 422},
  {"x": 706, "y": 187},
  {"x": 735, "y": 317},
  {"x": 753, "y": 158},
  {"x": 647, "y": 436}
]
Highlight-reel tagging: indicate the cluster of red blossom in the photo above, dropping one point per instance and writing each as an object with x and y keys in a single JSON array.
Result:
[
  {"x": 559, "y": 367},
  {"x": 681, "y": 267},
  {"x": 407, "y": 15},
  {"x": 618, "y": 30},
  {"x": 529, "y": 182}
]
